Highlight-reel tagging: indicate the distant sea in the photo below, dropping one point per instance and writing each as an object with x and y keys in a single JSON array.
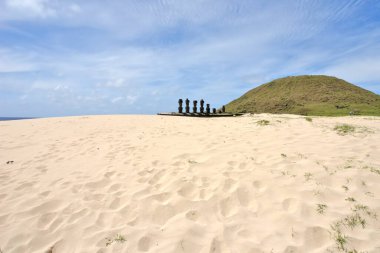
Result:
[{"x": 12, "y": 118}]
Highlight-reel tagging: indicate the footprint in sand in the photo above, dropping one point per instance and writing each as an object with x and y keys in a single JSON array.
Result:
[
  {"x": 115, "y": 204},
  {"x": 4, "y": 178},
  {"x": 162, "y": 214},
  {"x": 42, "y": 169},
  {"x": 65, "y": 185},
  {"x": 114, "y": 188},
  {"x": 59, "y": 159},
  {"x": 205, "y": 182},
  {"x": 291, "y": 204},
  {"x": 25, "y": 186},
  {"x": 143, "y": 193},
  {"x": 143, "y": 180},
  {"x": 109, "y": 174},
  {"x": 76, "y": 188},
  {"x": 232, "y": 163},
  {"x": 133, "y": 222},
  {"x": 157, "y": 176},
  {"x": 256, "y": 250},
  {"x": 3, "y": 218},
  {"x": 229, "y": 206},
  {"x": 242, "y": 166},
  {"x": 246, "y": 233},
  {"x": 203, "y": 194},
  {"x": 291, "y": 249},
  {"x": 3, "y": 196},
  {"x": 192, "y": 215},
  {"x": 98, "y": 184},
  {"x": 94, "y": 197},
  {"x": 188, "y": 246},
  {"x": 178, "y": 163},
  {"x": 77, "y": 215},
  {"x": 229, "y": 183},
  {"x": 162, "y": 197},
  {"x": 243, "y": 196},
  {"x": 144, "y": 243},
  {"x": 142, "y": 173},
  {"x": 45, "y": 220},
  {"x": 45, "y": 193},
  {"x": 188, "y": 190},
  {"x": 48, "y": 206},
  {"x": 259, "y": 186},
  {"x": 215, "y": 246},
  {"x": 315, "y": 237},
  {"x": 15, "y": 240},
  {"x": 102, "y": 220},
  {"x": 56, "y": 224}
]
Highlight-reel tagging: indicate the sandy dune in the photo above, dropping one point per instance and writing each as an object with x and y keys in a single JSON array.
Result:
[{"x": 174, "y": 184}]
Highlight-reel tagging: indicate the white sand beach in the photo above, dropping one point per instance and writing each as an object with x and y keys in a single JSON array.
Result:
[{"x": 196, "y": 185}]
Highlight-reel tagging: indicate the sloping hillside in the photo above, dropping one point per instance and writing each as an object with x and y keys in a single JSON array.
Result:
[{"x": 308, "y": 95}]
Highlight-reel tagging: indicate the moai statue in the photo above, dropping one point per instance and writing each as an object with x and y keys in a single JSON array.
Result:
[
  {"x": 187, "y": 108},
  {"x": 195, "y": 106},
  {"x": 208, "y": 108},
  {"x": 213, "y": 110},
  {"x": 223, "y": 109},
  {"x": 202, "y": 109},
  {"x": 180, "y": 101}
]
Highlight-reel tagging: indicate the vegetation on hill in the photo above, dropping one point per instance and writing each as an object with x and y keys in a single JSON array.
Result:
[{"x": 308, "y": 95}]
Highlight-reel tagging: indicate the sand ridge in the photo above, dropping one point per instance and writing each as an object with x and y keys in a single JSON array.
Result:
[{"x": 174, "y": 184}]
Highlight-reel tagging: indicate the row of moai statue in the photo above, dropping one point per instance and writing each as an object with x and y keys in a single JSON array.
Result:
[{"x": 201, "y": 108}]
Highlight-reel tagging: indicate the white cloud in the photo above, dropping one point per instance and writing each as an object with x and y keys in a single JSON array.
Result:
[
  {"x": 75, "y": 8},
  {"x": 61, "y": 87},
  {"x": 31, "y": 7},
  {"x": 23, "y": 97},
  {"x": 116, "y": 83},
  {"x": 131, "y": 99},
  {"x": 357, "y": 70},
  {"x": 13, "y": 61},
  {"x": 116, "y": 99},
  {"x": 52, "y": 10}
]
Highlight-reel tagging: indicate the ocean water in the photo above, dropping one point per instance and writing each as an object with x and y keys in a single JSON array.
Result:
[{"x": 12, "y": 118}]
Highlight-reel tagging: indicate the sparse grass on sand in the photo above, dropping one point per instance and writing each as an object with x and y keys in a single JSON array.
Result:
[
  {"x": 263, "y": 122},
  {"x": 321, "y": 208},
  {"x": 344, "y": 129},
  {"x": 372, "y": 169},
  {"x": 118, "y": 238},
  {"x": 308, "y": 176},
  {"x": 309, "y": 119},
  {"x": 354, "y": 219},
  {"x": 351, "y": 199}
]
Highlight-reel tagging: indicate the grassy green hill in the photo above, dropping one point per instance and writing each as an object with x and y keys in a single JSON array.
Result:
[{"x": 308, "y": 95}]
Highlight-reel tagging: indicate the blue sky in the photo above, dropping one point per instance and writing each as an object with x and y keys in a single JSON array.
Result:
[{"x": 68, "y": 57}]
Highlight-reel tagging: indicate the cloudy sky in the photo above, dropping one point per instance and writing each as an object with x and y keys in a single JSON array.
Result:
[{"x": 67, "y": 57}]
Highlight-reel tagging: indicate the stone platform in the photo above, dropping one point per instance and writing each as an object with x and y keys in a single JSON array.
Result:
[{"x": 199, "y": 114}]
